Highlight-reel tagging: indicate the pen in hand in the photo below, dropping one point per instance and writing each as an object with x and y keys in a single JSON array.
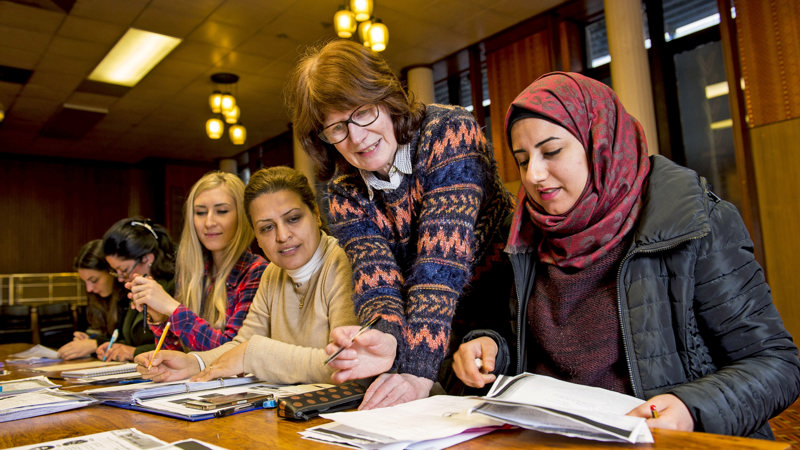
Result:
[
  {"x": 111, "y": 342},
  {"x": 158, "y": 346},
  {"x": 364, "y": 328}
]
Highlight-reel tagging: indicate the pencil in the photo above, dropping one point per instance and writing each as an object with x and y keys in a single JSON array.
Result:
[
  {"x": 364, "y": 328},
  {"x": 654, "y": 411},
  {"x": 158, "y": 346}
]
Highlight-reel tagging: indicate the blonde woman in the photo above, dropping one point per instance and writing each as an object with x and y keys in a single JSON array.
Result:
[{"x": 206, "y": 311}]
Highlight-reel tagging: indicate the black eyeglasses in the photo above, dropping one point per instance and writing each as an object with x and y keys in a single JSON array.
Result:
[
  {"x": 337, "y": 132},
  {"x": 123, "y": 275}
]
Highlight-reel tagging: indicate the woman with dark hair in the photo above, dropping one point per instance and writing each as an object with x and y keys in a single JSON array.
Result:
[
  {"x": 631, "y": 274},
  {"x": 305, "y": 292},
  {"x": 417, "y": 203},
  {"x": 215, "y": 242},
  {"x": 106, "y": 304},
  {"x": 138, "y": 247}
]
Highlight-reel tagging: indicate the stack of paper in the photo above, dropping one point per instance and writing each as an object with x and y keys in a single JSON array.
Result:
[
  {"x": 23, "y": 385},
  {"x": 37, "y": 354},
  {"x": 549, "y": 405},
  {"x": 126, "y": 439},
  {"x": 38, "y": 403},
  {"x": 434, "y": 422}
]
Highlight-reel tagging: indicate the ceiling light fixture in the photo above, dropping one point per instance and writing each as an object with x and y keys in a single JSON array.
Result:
[
  {"x": 134, "y": 55},
  {"x": 373, "y": 33},
  {"x": 225, "y": 109}
]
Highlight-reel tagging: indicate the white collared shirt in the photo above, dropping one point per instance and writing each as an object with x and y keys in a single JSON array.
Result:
[{"x": 400, "y": 167}]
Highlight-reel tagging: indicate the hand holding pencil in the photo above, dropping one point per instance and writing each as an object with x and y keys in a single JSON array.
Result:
[
  {"x": 360, "y": 352},
  {"x": 158, "y": 347}
]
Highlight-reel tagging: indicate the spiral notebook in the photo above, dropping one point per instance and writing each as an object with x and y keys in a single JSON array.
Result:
[{"x": 100, "y": 371}]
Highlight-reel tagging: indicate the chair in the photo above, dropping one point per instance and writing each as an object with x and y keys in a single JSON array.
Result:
[
  {"x": 56, "y": 324},
  {"x": 15, "y": 324}
]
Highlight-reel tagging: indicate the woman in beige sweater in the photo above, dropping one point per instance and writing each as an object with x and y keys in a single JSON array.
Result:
[{"x": 304, "y": 293}]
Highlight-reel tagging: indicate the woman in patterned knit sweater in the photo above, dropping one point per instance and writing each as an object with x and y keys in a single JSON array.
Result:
[
  {"x": 416, "y": 201},
  {"x": 631, "y": 275}
]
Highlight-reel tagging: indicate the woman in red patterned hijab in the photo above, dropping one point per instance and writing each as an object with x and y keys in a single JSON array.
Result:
[
  {"x": 630, "y": 274},
  {"x": 618, "y": 164}
]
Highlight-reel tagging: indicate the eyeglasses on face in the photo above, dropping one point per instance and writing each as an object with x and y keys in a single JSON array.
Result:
[
  {"x": 337, "y": 132},
  {"x": 125, "y": 274}
]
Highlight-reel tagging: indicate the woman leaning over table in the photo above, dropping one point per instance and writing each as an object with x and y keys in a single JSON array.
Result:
[
  {"x": 305, "y": 292},
  {"x": 631, "y": 275},
  {"x": 106, "y": 303},
  {"x": 214, "y": 246},
  {"x": 415, "y": 200},
  {"x": 134, "y": 247}
]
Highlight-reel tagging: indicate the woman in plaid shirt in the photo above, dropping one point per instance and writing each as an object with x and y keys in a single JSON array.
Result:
[{"x": 214, "y": 246}]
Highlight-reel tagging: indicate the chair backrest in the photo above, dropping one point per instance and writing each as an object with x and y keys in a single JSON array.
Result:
[
  {"x": 15, "y": 324},
  {"x": 56, "y": 324}
]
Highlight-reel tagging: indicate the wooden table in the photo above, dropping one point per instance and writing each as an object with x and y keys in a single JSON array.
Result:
[{"x": 264, "y": 429}]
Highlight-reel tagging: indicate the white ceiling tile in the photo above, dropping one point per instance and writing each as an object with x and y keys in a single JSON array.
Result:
[
  {"x": 92, "y": 30},
  {"x": 21, "y": 59},
  {"x": 31, "y": 41}
]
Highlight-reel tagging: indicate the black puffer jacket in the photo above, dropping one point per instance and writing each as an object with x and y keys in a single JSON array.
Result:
[{"x": 696, "y": 314}]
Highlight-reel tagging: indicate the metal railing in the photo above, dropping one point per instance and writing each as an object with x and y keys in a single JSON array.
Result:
[{"x": 41, "y": 288}]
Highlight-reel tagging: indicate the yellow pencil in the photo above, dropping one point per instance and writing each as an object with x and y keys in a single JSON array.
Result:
[{"x": 158, "y": 347}]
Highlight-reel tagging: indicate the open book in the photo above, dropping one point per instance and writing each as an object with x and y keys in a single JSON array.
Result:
[
  {"x": 549, "y": 405},
  {"x": 170, "y": 399}
]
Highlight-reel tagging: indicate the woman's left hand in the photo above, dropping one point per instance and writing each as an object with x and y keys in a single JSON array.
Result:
[
  {"x": 119, "y": 352},
  {"x": 230, "y": 364},
  {"x": 672, "y": 413},
  {"x": 147, "y": 291},
  {"x": 395, "y": 388}
]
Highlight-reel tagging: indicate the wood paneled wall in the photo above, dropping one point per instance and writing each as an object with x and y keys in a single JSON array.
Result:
[
  {"x": 511, "y": 68},
  {"x": 769, "y": 51},
  {"x": 768, "y": 41},
  {"x": 52, "y": 207}
]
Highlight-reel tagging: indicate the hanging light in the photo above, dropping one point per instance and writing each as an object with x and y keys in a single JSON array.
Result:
[
  {"x": 363, "y": 32},
  {"x": 362, "y": 9},
  {"x": 214, "y": 101},
  {"x": 378, "y": 36},
  {"x": 224, "y": 105},
  {"x": 214, "y": 128},
  {"x": 227, "y": 103},
  {"x": 232, "y": 116},
  {"x": 238, "y": 134},
  {"x": 345, "y": 22}
]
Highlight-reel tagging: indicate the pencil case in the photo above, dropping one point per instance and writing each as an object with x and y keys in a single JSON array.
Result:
[{"x": 311, "y": 404}]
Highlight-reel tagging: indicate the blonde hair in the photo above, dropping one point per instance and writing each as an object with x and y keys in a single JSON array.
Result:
[{"x": 192, "y": 255}]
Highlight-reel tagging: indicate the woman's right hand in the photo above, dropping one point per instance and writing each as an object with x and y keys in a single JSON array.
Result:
[
  {"x": 146, "y": 290},
  {"x": 167, "y": 365},
  {"x": 371, "y": 353},
  {"x": 78, "y": 348},
  {"x": 465, "y": 366}
]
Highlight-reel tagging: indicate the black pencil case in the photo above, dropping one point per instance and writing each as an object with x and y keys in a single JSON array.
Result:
[{"x": 311, "y": 404}]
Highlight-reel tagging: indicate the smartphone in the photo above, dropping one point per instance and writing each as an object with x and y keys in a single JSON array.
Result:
[{"x": 222, "y": 401}]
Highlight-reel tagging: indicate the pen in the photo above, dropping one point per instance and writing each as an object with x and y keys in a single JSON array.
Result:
[
  {"x": 144, "y": 316},
  {"x": 364, "y": 328},
  {"x": 158, "y": 346},
  {"x": 111, "y": 342},
  {"x": 654, "y": 411},
  {"x": 267, "y": 403}
]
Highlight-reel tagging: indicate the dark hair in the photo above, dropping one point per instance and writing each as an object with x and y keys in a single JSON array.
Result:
[
  {"x": 339, "y": 76},
  {"x": 101, "y": 313},
  {"x": 135, "y": 237},
  {"x": 279, "y": 178}
]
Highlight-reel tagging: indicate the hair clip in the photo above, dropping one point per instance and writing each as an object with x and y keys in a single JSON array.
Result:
[{"x": 149, "y": 228}]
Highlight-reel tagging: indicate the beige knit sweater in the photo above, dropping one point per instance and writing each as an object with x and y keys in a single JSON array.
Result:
[{"x": 289, "y": 326}]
